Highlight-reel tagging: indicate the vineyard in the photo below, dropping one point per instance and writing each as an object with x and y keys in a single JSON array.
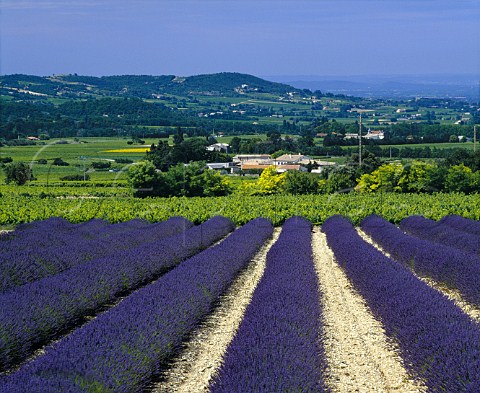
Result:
[
  {"x": 78, "y": 205},
  {"x": 172, "y": 306}
]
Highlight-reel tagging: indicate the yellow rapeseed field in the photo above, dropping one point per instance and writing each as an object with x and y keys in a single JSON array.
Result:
[{"x": 131, "y": 150}]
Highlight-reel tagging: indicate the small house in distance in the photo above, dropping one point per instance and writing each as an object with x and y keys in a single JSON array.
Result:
[
  {"x": 292, "y": 159},
  {"x": 291, "y": 167},
  {"x": 223, "y": 167},
  {"x": 255, "y": 167},
  {"x": 374, "y": 135},
  {"x": 322, "y": 165},
  {"x": 220, "y": 147},
  {"x": 240, "y": 158}
]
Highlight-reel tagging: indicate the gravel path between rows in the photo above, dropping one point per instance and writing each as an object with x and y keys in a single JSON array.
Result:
[
  {"x": 471, "y": 310},
  {"x": 360, "y": 357},
  {"x": 193, "y": 369}
]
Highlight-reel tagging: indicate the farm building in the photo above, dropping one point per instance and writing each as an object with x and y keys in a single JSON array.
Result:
[{"x": 220, "y": 147}]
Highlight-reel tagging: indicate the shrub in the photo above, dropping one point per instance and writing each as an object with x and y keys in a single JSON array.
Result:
[
  {"x": 76, "y": 177},
  {"x": 6, "y": 160},
  {"x": 18, "y": 173},
  {"x": 59, "y": 162},
  {"x": 101, "y": 164},
  {"x": 123, "y": 161}
]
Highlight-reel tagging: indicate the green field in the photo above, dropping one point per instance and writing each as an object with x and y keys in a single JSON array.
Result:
[
  {"x": 77, "y": 154},
  {"x": 464, "y": 145}
]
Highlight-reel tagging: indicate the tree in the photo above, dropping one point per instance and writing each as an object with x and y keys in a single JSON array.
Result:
[
  {"x": 18, "y": 173},
  {"x": 143, "y": 178},
  {"x": 59, "y": 162},
  {"x": 194, "y": 149},
  {"x": 270, "y": 181},
  {"x": 460, "y": 178},
  {"x": 307, "y": 138},
  {"x": 420, "y": 177},
  {"x": 194, "y": 179},
  {"x": 235, "y": 144},
  {"x": 101, "y": 164},
  {"x": 211, "y": 140},
  {"x": 338, "y": 181},
  {"x": 214, "y": 184},
  {"x": 183, "y": 180},
  {"x": 178, "y": 137},
  {"x": 385, "y": 178},
  {"x": 299, "y": 183}
]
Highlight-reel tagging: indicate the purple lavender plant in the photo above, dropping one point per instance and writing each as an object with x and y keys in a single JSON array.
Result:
[
  {"x": 440, "y": 233},
  {"x": 438, "y": 343},
  {"x": 56, "y": 248},
  {"x": 278, "y": 345},
  {"x": 462, "y": 224},
  {"x": 124, "y": 348},
  {"x": 447, "y": 265},
  {"x": 34, "y": 314}
]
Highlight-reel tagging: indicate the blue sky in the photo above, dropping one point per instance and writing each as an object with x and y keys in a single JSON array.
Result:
[{"x": 260, "y": 37}]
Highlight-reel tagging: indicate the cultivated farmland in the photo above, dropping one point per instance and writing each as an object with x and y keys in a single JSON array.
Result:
[{"x": 178, "y": 307}]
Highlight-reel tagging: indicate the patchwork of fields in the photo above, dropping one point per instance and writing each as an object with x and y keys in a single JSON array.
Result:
[{"x": 177, "y": 307}]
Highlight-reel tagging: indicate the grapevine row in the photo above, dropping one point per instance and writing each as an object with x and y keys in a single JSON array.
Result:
[{"x": 16, "y": 209}]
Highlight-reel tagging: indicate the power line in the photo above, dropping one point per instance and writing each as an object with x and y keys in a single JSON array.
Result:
[{"x": 360, "y": 142}]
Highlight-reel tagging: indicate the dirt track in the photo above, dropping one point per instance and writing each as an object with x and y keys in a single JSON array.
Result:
[{"x": 360, "y": 358}]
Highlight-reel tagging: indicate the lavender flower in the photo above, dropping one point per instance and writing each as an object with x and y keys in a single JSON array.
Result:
[
  {"x": 440, "y": 233},
  {"x": 438, "y": 343},
  {"x": 34, "y": 314},
  {"x": 278, "y": 345},
  {"x": 124, "y": 348}
]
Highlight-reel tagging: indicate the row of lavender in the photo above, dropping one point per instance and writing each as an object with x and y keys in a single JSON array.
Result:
[
  {"x": 33, "y": 314},
  {"x": 124, "y": 348},
  {"x": 278, "y": 345},
  {"x": 450, "y": 266},
  {"x": 462, "y": 223},
  {"x": 54, "y": 229},
  {"x": 447, "y": 231},
  {"x": 438, "y": 342},
  {"x": 54, "y": 245}
]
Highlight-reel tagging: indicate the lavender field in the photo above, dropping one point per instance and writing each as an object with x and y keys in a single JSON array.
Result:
[{"x": 178, "y": 307}]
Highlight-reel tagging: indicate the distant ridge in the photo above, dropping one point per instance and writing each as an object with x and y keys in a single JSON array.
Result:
[{"x": 229, "y": 84}]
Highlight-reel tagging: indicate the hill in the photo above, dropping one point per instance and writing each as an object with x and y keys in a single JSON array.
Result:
[{"x": 226, "y": 84}]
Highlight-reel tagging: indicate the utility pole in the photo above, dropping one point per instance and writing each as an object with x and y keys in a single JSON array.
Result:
[
  {"x": 360, "y": 142},
  {"x": 474, "y": 138}
]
